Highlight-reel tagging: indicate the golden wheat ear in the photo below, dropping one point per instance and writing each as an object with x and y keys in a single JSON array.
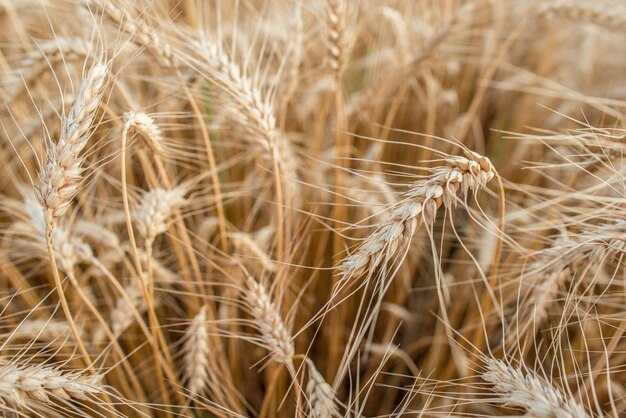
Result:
[
  {"x": 22, "y": 384},
  {"x": 526, "y": 390},
  {"x": 61, "y": 175},
  {"x": 320, "y": 395},
  {"x": 461, "y": 176}
]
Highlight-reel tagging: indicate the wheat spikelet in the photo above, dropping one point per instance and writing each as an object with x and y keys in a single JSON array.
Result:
[
  {"x": 267, "y": 320},
  {"x": 321, "y": 396},
  {"x": 591, "y": 13},
  {"x": 419, "y": 208},
  {"x": 526, "y": 390},
  {"x": 20, "y": 384},
  {"x": 154, "y": 210},
  {"x": 197, "y": 354},
  {"x": 60, "y": 178}
]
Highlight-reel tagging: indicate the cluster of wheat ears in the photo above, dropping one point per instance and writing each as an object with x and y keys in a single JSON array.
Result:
[{"x": 324, "y": 209}]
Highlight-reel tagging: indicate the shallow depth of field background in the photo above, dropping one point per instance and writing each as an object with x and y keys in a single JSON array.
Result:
[{"x": 329, "y": 208}]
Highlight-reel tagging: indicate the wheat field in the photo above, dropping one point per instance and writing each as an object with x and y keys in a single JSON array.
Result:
[{"x": 312, "y": 208}]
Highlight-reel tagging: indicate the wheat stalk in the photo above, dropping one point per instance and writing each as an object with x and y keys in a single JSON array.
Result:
[{"x": 529, "y": 391}]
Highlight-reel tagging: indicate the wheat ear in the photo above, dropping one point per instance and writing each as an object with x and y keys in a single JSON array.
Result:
[
  {"x": 47, "y": 54},
  {"x": 197, "y": 354},
  {"x": 49, "y": 330},
  {"x": 255, "y": 111},
  {"x": 320, "y": 394},
  {"x": 141, "y": 34},
  {"x": 419, "y": 208},
  {"x": 337, "y": 47},
  {"x": 603, "y": 17},
  {"x": 146, "y": 129},
  {"x": 275, "y": 336},
  {"x": 529, "y": 391},
  {"x": 558, "y": 264},
  {"x": 20, "y": 384},
  {"x": 154, "y": 210},
  {"x": 60, "y": 177}
]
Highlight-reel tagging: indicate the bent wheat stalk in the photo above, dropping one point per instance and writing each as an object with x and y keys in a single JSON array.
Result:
[
  {"x": 61, "y": 177},
  {"x": 255, "y": 110}
]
